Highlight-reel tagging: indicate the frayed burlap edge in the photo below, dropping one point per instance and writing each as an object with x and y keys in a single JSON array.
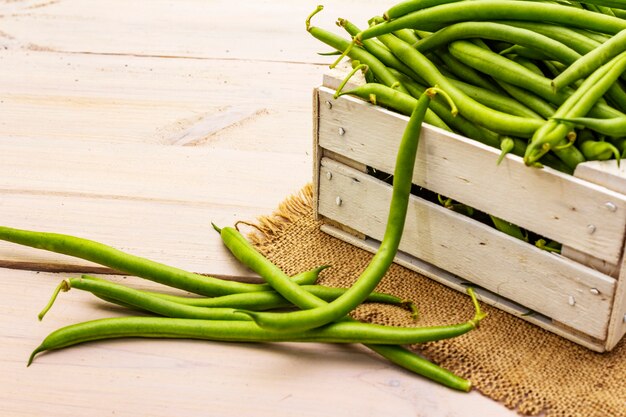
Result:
[{"x": 270, "y": 227}]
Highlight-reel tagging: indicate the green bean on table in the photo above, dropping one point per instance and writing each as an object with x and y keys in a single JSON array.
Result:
[
  {"x": 117, "y": 260},
  {"x": 373, "y": 273}
]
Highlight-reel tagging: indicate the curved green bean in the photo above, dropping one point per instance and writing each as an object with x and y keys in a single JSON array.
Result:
[
  {"x": 611, "y": 127},
  {"x": 244, "y": 331},
  {"x": 382, "y": 260},
  {"x": 501, "y": 32},
  {"x": 127, "y": 263}
]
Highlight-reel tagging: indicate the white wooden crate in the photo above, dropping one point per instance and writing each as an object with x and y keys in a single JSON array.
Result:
[{"x": 580, "y": 294}]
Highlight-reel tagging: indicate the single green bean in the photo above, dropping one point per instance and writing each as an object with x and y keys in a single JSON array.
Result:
[
  {"x": 382, "y": 260},
  {"x": 611, "y": 127},
  {"x": 400, "y": 102},
  {"x": 244, "y": 331},
  {"x": 437, "y": 17},
  {"x": 501, "y": 32},
  {"x": 127, "y": 263},
  {"x": 268, "y": 300},
  {"x": 139, "y": 299}
]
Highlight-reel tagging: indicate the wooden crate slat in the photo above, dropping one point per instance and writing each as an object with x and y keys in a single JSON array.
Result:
[
  {"x": 547, "y": 283},
  {"x": 613, "y": 177},
  {"x": 457, "y": 283},
  {"x": 558, "y": 206}
]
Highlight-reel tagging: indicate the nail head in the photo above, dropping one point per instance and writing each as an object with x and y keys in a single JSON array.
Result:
[
  {"x": 329, "y": 175},
  {"x": 342, "y": 131},
  {"x": 571, "y": 301},
  {"x": 338, "y": 201},
  {"x": 594, "y": 291},
  {"x": 591, "y": 229},
  {"x": 610, "y": 206},
  {"x": 329, "y": 104}
]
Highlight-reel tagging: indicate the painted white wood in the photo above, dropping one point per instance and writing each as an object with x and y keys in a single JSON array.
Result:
[
  {"x": 460, "y": 284},
  {"x": 541, "y": 281},
  {"x": 608, "y": 174},
  {"x": 558, "y": 206}
]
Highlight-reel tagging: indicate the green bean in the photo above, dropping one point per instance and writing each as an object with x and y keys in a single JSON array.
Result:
[
  {"x": 457, "y": 122},
  {"x": 598, "y": 150},
  {"x": 498, "y": 31},
  {"x": 376, "y": 269},
  {"x": 436, "y": 17},
  {"x": 591, "y": 61},
  {"x": 570, "y": 38},
  {"x": 508, "y": 228},
  {"x": 126, "y": 263},
  {"x": 357, "y": 53},
  {"x": 465, "y": 72},
  {"x": 496, "y": 101},
  {"x": 245, "y": 331},
  {"x": 400, "y": 102},
  {"x": 552, "y": 134},
  {"x": 506, "y": 146},
  {"x": 611, "y": 127},
  {"x": 268, "y": 300},
  {"x": 472, "y": 110},
  {"x": 139, "y": 299},
  {"x": 379, "y": 51},
  {"x": 396, "y": 354},
  {"x": 532, "y": 101},
  {"x": 506, "y": 70},
  {"x": 409, "y": 6}
]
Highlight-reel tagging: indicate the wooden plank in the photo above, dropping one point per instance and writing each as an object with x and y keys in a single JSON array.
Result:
[
  {"x": 261, "y": 31},
  {"x": 444, "y": 277},
  {"x": 114, "y": 98},
  {"x": 275, "y": 379},
  {"x": 558, "y": 206},
  {"x": 153, "y": 201},
  {"x": 544, "y": 282},
  {"x": 608, "y": 174}
]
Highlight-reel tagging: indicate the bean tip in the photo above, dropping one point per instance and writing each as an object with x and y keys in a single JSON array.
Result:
[{"x": 217, "y": 229}]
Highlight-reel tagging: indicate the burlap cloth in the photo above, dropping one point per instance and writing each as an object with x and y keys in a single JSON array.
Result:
[{"x": 507, "y": 359}]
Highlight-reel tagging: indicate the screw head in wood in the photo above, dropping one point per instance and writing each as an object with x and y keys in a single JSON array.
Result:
[
  {"x": 342, "y": 131},
  {"x": 329, "y": 104},
  {"x": 329, "y": 175},
  {"x": 338, "y": 201},
  {"x": 571, "y": 300},
  {"x": 610, "y": 206},
  {"x": 591, "y": 229}
]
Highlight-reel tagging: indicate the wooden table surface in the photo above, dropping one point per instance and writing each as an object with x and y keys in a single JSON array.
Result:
[{"x": 137, "y": 123}]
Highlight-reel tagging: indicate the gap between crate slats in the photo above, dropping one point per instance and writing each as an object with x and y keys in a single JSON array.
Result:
[
  {"x": 552, "y": 204},
  {"x": 541, "y": 281}
]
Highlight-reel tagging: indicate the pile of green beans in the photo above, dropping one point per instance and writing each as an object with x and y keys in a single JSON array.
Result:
[
  {"x": 292, "y": 309},
  {"x": 547, "y": 76}
]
